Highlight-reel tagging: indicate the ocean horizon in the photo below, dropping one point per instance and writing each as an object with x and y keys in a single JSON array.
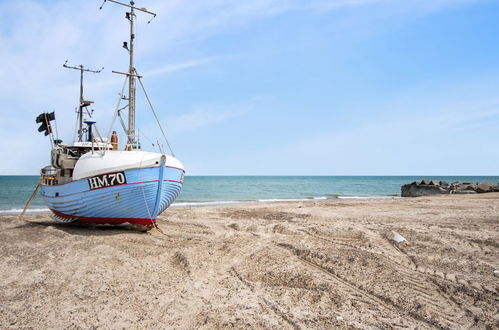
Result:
[{"x": 217, "y": 190}]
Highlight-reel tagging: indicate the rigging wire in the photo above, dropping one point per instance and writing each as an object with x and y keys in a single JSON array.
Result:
[
  {"x": 123, "y": 108},
  {"x": 102, "y": 150},
  {"x": 117, "y": 108},
  {"x": 155, "y": 116},
  {"x": 122, "y": 123},
  {"x": 148, "y": 139},
  {"x": 76, "y": 128},
  {"x": 160, "y": 146},
  {"x": 56, "y": 130}
]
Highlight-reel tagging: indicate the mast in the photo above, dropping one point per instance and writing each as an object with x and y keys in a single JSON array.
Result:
[
  {"x": 131, "y": 81},
  {"x": 82, "y": 103},
  {"x": 131, "y": 69}
]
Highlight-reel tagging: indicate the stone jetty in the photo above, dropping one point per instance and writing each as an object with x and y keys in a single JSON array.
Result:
[{"x": 434, "y": 187}]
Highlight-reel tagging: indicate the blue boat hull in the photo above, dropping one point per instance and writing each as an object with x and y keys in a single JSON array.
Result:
[{"x": 145, "y": 194}]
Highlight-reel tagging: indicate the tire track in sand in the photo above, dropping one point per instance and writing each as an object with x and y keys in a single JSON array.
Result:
[
  {"x": 273, "y": 307},
  {"x": 425, "y": 285},
  {"x": 445, "y": 320},
  {"x": 415, "y": 270}
]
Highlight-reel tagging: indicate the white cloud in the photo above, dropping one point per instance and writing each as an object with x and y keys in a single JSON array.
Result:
[
  {"x": 117, "y": 81},
  {"x": 199, "y": 118},
  {"x": 205, "y": 115},
  {"x": 169, "y": 68}
]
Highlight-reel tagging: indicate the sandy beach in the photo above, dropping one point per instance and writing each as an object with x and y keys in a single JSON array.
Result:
[{"x": 324, "y": 264}]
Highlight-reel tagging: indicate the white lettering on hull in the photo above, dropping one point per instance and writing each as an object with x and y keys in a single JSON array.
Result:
[{"x": 106, "y": 180}]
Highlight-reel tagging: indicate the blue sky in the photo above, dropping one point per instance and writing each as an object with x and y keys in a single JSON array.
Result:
[{"x": 268, "y": 87}]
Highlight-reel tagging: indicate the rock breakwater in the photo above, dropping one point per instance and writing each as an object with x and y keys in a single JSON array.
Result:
[{"x": 434, "y": 187}]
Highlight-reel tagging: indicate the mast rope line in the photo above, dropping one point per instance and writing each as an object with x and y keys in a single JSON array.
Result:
[
  {"x": 122, "y": 122},
  {"x": 145, "y": 136},
  {"x": 155, "y": 115},
  {"x": 56, "y": 130},
  {"x": 76, "y": 127},
  {"x": 142, "y": 186},
  {"x": 116, "y": 112},
  {"x": 123, "y": 108},
  {"x": 103, "y": 149},
  {"x": 88, "y": 113},
  {"x": 153, "y": 223},
  {"x": 140, "y": 132}
]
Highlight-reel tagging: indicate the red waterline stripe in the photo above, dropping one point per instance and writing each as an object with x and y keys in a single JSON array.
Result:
[
  {"x": 173, "y": 181},
  {"x": 141, "y": 221}
]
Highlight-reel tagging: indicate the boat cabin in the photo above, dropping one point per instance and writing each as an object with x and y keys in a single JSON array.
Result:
[{"x": 64, "y": 158}]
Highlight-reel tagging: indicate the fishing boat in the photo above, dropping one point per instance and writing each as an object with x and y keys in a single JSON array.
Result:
[{"x": 97, "y": 180}]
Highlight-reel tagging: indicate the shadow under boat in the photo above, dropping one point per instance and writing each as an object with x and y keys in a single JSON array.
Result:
[{"x": 88, "y": 229}]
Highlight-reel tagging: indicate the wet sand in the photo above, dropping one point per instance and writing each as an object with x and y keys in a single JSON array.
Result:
[{"x": 325, "y": 264}]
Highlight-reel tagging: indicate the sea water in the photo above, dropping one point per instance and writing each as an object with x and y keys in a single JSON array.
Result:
[{"x": 207, "y": 190}]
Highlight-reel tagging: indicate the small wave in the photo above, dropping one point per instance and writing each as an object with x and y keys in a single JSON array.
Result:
[
  {"x": 18, "y": 211},
  {"x": 268, "y": 200},
  {"x": 367, "y": 197},
  {"x": 271, "y": 200},
  {"x": 188, "y": 204}
]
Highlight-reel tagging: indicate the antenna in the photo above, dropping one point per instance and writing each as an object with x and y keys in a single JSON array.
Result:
[
  {"x": 131, "y": 74},
  {"x": 83, "y": 103},
  {"x": 132, "y": 6}
]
